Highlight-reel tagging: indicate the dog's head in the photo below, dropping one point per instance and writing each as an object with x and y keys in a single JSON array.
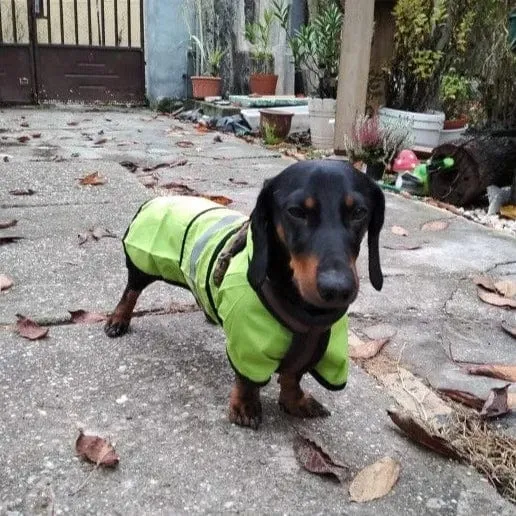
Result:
[{"x": 315, "y": 214}]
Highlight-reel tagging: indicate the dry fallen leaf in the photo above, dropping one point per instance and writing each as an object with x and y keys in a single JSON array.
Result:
[
  {"x": 237, "y": 181},
  {"x": 100, "y": 141},
  {"x": 435, "y": 225},
  {"x": 511, "y": 330},
  {"x": 402, "y": 247},
  {"x": 129, "y": 165},
  {"x": 494, "y": 299},
  {"x": 314, "y": 459},
  {"x": 98, "y": 233},
  {"x": 184, "y": 143},
  {"x": 508, "y": 211},
  {"x": 464, "y": 397},
  {"x": 72, "y": 123},
  {"x": 96, "y": 449},
  {"x": 496, "y": 403},
  {"x": 485, "y": 281},
  {"x": 398, "y": 230},
  {"x": 500, "y": 371},
  {"x": 219, "y": 199},
  {"x": 9, "y": 239},
  {"x": 24, "y": 138},
  {"x": 30, "y": 329},
  {"x": 4, "y": 224},
  {"x": 367, "y": 349},
  {"x": 179, "y": 188},
  {"x": 22, "y": 191},
  {"x": 172, "y": 164},
  {"x": 506, "y": 288},
  {"x": 375, "y": 480},
  {"x": 418, "y": 433},
  {"x": 84, "y": 317},
  {"x": 5, "y": 282},
  {"x": 92, "y": 179}
]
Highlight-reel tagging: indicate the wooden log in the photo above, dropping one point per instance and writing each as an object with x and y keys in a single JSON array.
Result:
[{"x": 479, "y": 162}]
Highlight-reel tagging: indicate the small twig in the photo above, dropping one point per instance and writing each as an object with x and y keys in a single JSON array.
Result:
[{"x": 85, "y": 481}]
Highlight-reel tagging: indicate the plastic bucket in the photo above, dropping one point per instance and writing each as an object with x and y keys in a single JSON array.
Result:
[
  {"x": 425, "y": 127},
  {"x": 322, "y": 132}
]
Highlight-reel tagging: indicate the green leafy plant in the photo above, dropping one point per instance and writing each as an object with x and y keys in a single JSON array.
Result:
[
  {"x": 455, "y": 92},
  {"x": 269, "y": 135},
  {"x": 371, "y": 142},
  {"x": 258, "y": 35},
  {"x": 431, "y": 36},
  {"x": 281, "y": 12},
  {"x": 317, "y": 48}
]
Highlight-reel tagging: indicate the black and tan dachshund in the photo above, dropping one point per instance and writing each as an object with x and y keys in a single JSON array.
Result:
[{"x": 287, "y": 280}]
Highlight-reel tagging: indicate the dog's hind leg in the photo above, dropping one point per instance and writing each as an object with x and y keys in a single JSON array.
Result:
[
  {"x": 118, "y": 323},
  {"x": 294, "y": 401}
]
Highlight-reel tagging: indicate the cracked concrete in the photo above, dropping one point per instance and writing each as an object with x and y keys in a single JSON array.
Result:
[{"x": 161, "y": 391}]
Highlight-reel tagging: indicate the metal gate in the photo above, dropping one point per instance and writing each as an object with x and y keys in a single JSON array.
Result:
[{"x": 71, "y": 50}]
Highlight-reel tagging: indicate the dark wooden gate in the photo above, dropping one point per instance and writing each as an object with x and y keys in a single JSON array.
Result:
[{"x": 72, "y": 50}]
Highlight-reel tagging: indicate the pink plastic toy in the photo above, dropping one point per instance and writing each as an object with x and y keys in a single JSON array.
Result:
[{"x": 405, "y": 161}]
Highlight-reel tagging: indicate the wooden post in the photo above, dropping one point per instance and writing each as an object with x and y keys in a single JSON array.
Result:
[{"x": 355, "y": 52}]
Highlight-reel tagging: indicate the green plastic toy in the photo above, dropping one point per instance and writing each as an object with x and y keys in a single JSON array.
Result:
[{"x": 417, "y": 181}]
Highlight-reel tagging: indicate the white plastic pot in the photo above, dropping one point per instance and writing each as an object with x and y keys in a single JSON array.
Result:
[
  {"x": 321, "y": 113},
  {"x": 448, "y": 135},
  {"x": 426, "y": 127}
]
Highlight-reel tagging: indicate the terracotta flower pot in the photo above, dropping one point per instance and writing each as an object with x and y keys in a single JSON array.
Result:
[
  {"x": 205, "y": 86},
  {"x": 263, "y": 84},
  {"x": 279, "y": 121},
  {"x": 456, "y": 123}
]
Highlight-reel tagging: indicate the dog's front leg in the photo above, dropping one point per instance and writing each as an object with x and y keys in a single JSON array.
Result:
[
  {"x": 245, "y": 408},
  {"x": 294, "y": 401}
]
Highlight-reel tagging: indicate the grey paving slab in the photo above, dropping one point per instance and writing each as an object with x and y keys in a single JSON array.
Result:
[{"x": 160, "y": 394}]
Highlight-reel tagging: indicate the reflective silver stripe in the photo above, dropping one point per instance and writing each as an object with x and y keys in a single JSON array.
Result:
[{"x": 202, "y": 241}]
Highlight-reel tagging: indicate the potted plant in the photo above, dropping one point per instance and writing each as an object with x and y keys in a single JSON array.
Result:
[
  {"x": 375, "y": 144},
  {"x": 207, "y": 84},
  {"x": 430, "y": 37},
  {"x": 455, "y": 92},
  {"x": 317, "y": 48},
  {"x": 262, "y": 79},
  {"x": 207, "y": 57}
]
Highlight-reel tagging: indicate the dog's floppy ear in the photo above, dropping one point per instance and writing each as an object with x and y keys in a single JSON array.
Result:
[
  {"x": 261, "y": 220},
  {"x": 373, "y": 236}
]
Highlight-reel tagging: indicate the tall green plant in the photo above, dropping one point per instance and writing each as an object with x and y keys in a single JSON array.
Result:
[
  {"x": 318, "y": 49},
  {"x": 258, "y": 34}
]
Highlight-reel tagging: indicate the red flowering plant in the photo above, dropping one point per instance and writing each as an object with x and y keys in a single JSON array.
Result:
[{"x": 371, "y": 142}]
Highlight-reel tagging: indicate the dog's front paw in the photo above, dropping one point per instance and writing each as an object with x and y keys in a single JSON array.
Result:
[
  {"x": 306, "y": 406},
  {"x": 116, "y": 327},
  {"x": 245, "y": 408}
]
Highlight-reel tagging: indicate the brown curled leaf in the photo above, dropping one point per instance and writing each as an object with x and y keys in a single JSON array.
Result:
[
  {"x": 96, "y": 450},
  {"x": 499, "y": 371},
  {"x": 492, "y": 298},
  {"x": 402, "y": 247},
  {"x": 418, "y": 433},
  {"x": 5, "y": 282},
  {"x": 85, "y": 317},
  {"x": 375, "y": 481},
  {"x": 9, "y": 223},
  {"x": 398, "y": 230},
  {"x": 435, "y": 225},
  {"x": 496, "y": 403},
  {"x": 9, "y": 239},
  {"x": 219, "y": 199},
  {"x": 314, "y": 459},
  {"x": 92, "y": 179},
  {"x": 367, "y": 349},
  {"x": 22, "y": 191},
  {"x": 508, "y": 328},
  {"x": 184, "y": 144},
  {"x": 98, "y": 233},
  {"x": 23, "y": 139},
  {"x": 29, "y": 329},
  {"x": 485, "y": 281},
  {"x": 464, "y": 397}
]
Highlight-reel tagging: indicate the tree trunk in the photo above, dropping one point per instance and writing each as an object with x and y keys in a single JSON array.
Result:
[{"x": 479, "y": 162}]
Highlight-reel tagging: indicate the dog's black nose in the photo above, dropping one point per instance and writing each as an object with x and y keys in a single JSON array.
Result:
[{"x": 334, "y": 286}]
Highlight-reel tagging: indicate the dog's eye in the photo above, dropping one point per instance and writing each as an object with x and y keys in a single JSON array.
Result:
[
  {"x": 297, "y": 212},
  {"x": 359, "y": 213}
]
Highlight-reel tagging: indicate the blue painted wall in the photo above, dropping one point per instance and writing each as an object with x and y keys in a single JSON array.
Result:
[{"x": 166, "y": 44}]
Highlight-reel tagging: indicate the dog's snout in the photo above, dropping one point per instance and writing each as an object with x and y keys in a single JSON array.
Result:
[{"x": 333, "y": 285}]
